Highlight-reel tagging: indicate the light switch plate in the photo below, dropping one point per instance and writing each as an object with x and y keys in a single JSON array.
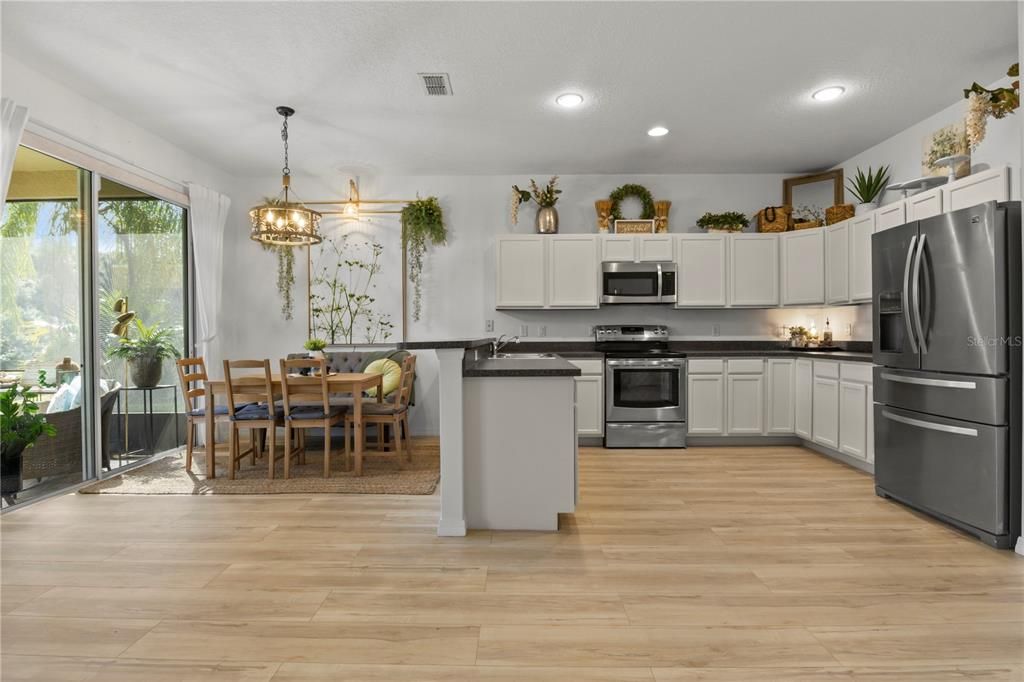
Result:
[
  {"x": 489, "y": 326},
  {"x": 849, "y": 330},
  {"x": 524, "y": 330},
  {"x": 716, "y": 330},
  {"x": 542, "y": 330}
]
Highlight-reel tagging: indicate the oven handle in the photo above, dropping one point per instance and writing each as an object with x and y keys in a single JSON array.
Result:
[{"x": 667, "y": 362}]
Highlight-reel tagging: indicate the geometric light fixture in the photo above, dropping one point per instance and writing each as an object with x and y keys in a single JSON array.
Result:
[{"x": 284, "y": 221}]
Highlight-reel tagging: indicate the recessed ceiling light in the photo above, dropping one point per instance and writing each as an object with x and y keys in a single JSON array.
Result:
[
  {"x": 658, "y": 131},
  {"x": 828, "y": 94},
  {"x": 569, "y": 100}
]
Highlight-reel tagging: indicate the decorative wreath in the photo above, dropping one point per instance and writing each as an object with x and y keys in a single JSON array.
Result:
[{"x": 637, "y": 191}]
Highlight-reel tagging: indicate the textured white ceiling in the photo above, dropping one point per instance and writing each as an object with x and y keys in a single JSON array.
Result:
[{"x": 730, "y": 79}]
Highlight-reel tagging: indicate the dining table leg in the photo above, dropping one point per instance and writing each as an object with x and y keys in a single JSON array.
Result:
[
  {"x": 357, "y": 429},
  {"x": 210, "y": 435}
]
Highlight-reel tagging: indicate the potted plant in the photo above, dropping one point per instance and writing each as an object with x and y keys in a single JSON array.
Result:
[
  {"x": 798, "y": 337},
  {"x": 547, "y": 214},
  {"x": 730, "y": 221},
  {"x": 145, "y": 355},
  {"x": 21, "y": 425},
  {"x": 316, "y": 347},
  {"x": 422, "y": 225},
  {"x": 866, "y": 188}
]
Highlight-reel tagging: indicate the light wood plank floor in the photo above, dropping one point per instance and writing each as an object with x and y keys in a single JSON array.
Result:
[{"x": 707, "y": 564}]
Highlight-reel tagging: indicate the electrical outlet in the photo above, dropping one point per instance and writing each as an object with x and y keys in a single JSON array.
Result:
[
  {"x": 489, "y": 326},
  {"x": 716, "y": 330},
  {"x": 524, "y": 330},
  {"x": 542, "y": 330},
  {"x": 849, "y": 330}
]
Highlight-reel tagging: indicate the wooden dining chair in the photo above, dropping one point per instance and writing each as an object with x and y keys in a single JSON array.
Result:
[
  {"x": 251, "y": 406},
  {"x": 394, "y": 414},
  {"x": 307, "y": 406},
  {"x": 193, "y": 378}
]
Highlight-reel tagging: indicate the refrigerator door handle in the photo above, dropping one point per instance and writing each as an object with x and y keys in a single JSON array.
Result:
[
  {"x": 931, "y": 426},
  {"x": 915, "y": 295},
  {"x": 904, "y": 295},
  {"x": 936, "y": 383}
]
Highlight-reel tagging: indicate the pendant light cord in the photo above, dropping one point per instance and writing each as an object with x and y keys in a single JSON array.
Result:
[{"x": 284, "y": 137}]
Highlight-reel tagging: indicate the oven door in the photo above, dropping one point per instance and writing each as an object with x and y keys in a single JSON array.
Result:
[
  {"x": 645, "y": 390},
  {"x": 627, "y": 282}
]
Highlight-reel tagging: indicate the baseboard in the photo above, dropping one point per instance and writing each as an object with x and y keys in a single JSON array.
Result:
[
  {"x": 590, "y": 441},
  {"x": 451, "y": 529},
  {"x": 866, "y": 467},
  {"x": 712, "y": 441}
]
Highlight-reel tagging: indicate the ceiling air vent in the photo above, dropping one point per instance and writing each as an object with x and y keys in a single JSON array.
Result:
[{"x": 436, "y": 84}]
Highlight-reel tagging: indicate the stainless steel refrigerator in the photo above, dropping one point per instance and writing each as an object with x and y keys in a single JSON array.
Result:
[{"x": 947, "y": 382}]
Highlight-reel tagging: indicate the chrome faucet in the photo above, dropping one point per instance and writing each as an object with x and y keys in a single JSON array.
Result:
[{"x": 502, "y": 341}]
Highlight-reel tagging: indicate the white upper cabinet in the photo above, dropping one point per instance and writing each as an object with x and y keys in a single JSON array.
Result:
[
  {"x": 989, "y": 185},
  {"x": 573, "y": 280},
  {"x": 655, "y": 247},
  {"x": 890, "y": 215},
  {"x": 521, "y": 272},
  {"x": 701, "y": 270},
  {"x": 861, "y": 228},
  {"x": 924, "y": 205},
  {"x": 803, "y": 267},
  {"x": 618, "y": 247},
  {"x": 837, "y": 248},
  {"x": 753, "y": 270}
]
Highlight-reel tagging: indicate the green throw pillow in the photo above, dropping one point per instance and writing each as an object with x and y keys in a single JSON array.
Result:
[{"x": 392, "y": 372}]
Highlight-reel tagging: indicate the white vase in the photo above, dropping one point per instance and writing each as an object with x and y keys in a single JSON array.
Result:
[{"x": 861, "y": 209}]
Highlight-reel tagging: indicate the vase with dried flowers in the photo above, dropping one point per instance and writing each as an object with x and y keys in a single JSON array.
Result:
[
  {"x": 604, "y": 214},
  {"x": 983, "y": 103},
  {"x": 546, "y": 198}
]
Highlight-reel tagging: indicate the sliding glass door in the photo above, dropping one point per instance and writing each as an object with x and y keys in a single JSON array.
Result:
[{"x": 115, "y": 291}]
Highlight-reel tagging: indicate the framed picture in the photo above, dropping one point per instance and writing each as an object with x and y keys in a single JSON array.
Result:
[{"x": 634, "y": 226}]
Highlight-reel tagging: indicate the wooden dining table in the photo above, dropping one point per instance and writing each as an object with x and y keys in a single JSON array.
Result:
[{"x": 354, "y": 382}]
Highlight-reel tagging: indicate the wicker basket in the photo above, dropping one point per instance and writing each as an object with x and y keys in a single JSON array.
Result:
[
  {"x": 838, "y": 213},
  {"x": 774, "y": 218},
  {"x": 806, "y": 224}
]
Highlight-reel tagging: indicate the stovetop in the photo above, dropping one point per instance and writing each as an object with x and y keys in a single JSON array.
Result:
[
  {"x": 634, "y": 341},
  {"x": 641, "y": 353}
]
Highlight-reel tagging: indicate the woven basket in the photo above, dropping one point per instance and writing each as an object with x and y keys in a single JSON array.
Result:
[
  {"x": 774, "y": 218},
  {"x": 838, "y": 213},
  {"x": 806, "y": 224}
]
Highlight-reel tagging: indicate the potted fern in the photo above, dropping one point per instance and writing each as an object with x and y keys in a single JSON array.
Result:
[
  {"x": 422, "y": 225},
  {"x": 867, "y": 187},
  {"x": 145, "y": 354}
]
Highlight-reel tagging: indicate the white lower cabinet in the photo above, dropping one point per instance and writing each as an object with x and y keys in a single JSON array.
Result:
[
  {"x": 705, "y": 404},
  {"x": 779, "y": 404},
  {"x": 745, "y": 404},
  {"x": 803, "y": 398},
  {"x": 825, "y": 416},
  {"x": 590, "y": 398},
  {"x": 856, "y": 426}
]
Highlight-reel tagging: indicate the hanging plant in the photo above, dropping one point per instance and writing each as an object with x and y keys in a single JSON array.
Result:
[
  {"x": 984, "y": 103},
  {"x": 637, "y": 191},
  {"x": 422, "y": 225},
  {"x": 285, "y": 267}
]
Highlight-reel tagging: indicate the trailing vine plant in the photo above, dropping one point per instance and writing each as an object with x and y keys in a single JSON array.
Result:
[
  {"x": 422, "y": 226},
  {"x": 285, "y": 268},
  {"x": 341, "y": 302}
]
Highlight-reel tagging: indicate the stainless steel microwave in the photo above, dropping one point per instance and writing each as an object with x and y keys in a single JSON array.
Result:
[{"x": 628, "y": 282}]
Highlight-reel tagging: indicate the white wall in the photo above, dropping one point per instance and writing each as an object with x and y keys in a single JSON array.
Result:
[{"x": 903, "y": 151}]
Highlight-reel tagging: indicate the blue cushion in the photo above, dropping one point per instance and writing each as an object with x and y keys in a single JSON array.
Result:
[
  {"x": 315, "y": 412},
  {"x": 252, "y": 412}
]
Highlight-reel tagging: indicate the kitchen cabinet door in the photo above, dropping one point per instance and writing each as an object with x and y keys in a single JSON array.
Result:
[
  {"x": 745, "y": 404},
  {"x": 891, "y": 215},
  {"x": 520, "y": 271},
  {"x": 977, "y": 188},
  {"x": 590, "y": 405},
  {"x": 705, "y": 404},
  {"x": 837, "y": 247},
  {"x": 701, "y": 268},
  {"x": 825, "y": 417},
  {"x": 654, "y": 248},
  {"x": 573, "y": 279},
  {"x": 803, "y": 398},
  {"x": 803, "y": 267},
  {"x": 754, "y": 270},
  {"x": 924, "y": 205},
  {"x": 780, "y": 405},
  {"x": 853, "y": 419},
  {"x": 618, "y": 247},
  {"x": 861, "y": 229}
]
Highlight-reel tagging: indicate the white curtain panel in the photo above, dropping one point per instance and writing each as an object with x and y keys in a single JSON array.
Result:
[
  {"x": 12, "y": 123},
  {"x": 209, "y": 214}
]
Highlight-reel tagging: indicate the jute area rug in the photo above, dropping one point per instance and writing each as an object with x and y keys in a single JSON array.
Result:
[{"x": 381, "y": 475}]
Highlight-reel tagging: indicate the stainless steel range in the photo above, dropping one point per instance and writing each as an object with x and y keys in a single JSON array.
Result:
[{"x": 645, "y": 387}]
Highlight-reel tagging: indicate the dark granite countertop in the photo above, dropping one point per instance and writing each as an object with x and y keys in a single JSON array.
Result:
[
  {"x": 522, "y": 367},
  {"x": 444, "y": 343},
  {"x": 852, "y": 351},
  {"x": 845, "y": 355}
]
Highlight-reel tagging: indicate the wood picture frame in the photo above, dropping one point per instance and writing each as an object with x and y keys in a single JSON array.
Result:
[{"x": 836, "y": 176}]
